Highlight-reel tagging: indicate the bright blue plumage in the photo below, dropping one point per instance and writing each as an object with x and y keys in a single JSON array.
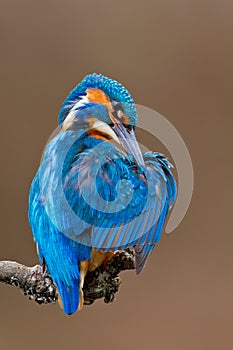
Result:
[
  {"x": 111, "y": 87},
  {"x": 94, "y": 189}
]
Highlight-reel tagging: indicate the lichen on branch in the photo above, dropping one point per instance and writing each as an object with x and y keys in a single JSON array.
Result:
[{"x": 37, "y": 284}]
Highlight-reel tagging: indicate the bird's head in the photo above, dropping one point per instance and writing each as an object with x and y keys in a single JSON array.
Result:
[{"x": 106, "y": 109}]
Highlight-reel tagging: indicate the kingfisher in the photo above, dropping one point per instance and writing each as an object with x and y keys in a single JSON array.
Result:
[{"x": 95, "y": 193}]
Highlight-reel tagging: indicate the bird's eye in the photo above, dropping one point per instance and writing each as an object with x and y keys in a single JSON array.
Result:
[{"x": 117, "y": 109}]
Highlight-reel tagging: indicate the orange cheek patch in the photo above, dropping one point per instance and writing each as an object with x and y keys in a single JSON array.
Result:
[
  {"x": 97, "y": 135},
  {"x": 98, "y": 96}
]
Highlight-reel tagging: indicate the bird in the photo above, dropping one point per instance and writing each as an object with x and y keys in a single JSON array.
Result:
[{"x": 95, "y": 193}]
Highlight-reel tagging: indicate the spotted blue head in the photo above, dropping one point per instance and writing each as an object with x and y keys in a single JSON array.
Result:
[{"x": 106, "y": 109}]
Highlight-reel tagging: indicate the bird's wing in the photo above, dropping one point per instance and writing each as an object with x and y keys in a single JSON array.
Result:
[
  {"x": 124, "y": 205},
  {"x": 138, "y": 216},
  {"x": 101, "y": 198},
  {"x": 146, "y": 243}
]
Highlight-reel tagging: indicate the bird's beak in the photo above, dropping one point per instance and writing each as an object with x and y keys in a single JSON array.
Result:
[{"x": 128, "y": 141}]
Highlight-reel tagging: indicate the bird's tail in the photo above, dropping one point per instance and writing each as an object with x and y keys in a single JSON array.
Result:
[{"x": 69, "y": 296}]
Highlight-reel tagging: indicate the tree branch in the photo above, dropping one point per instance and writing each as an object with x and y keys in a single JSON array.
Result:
[{"x": 102, "y": 283}]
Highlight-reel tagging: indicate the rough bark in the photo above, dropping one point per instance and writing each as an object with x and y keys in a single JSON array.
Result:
[{"x": 37, "y": 284}]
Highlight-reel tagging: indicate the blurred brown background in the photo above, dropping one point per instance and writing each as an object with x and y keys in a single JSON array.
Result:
[{"x": 175, "y": 57}]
